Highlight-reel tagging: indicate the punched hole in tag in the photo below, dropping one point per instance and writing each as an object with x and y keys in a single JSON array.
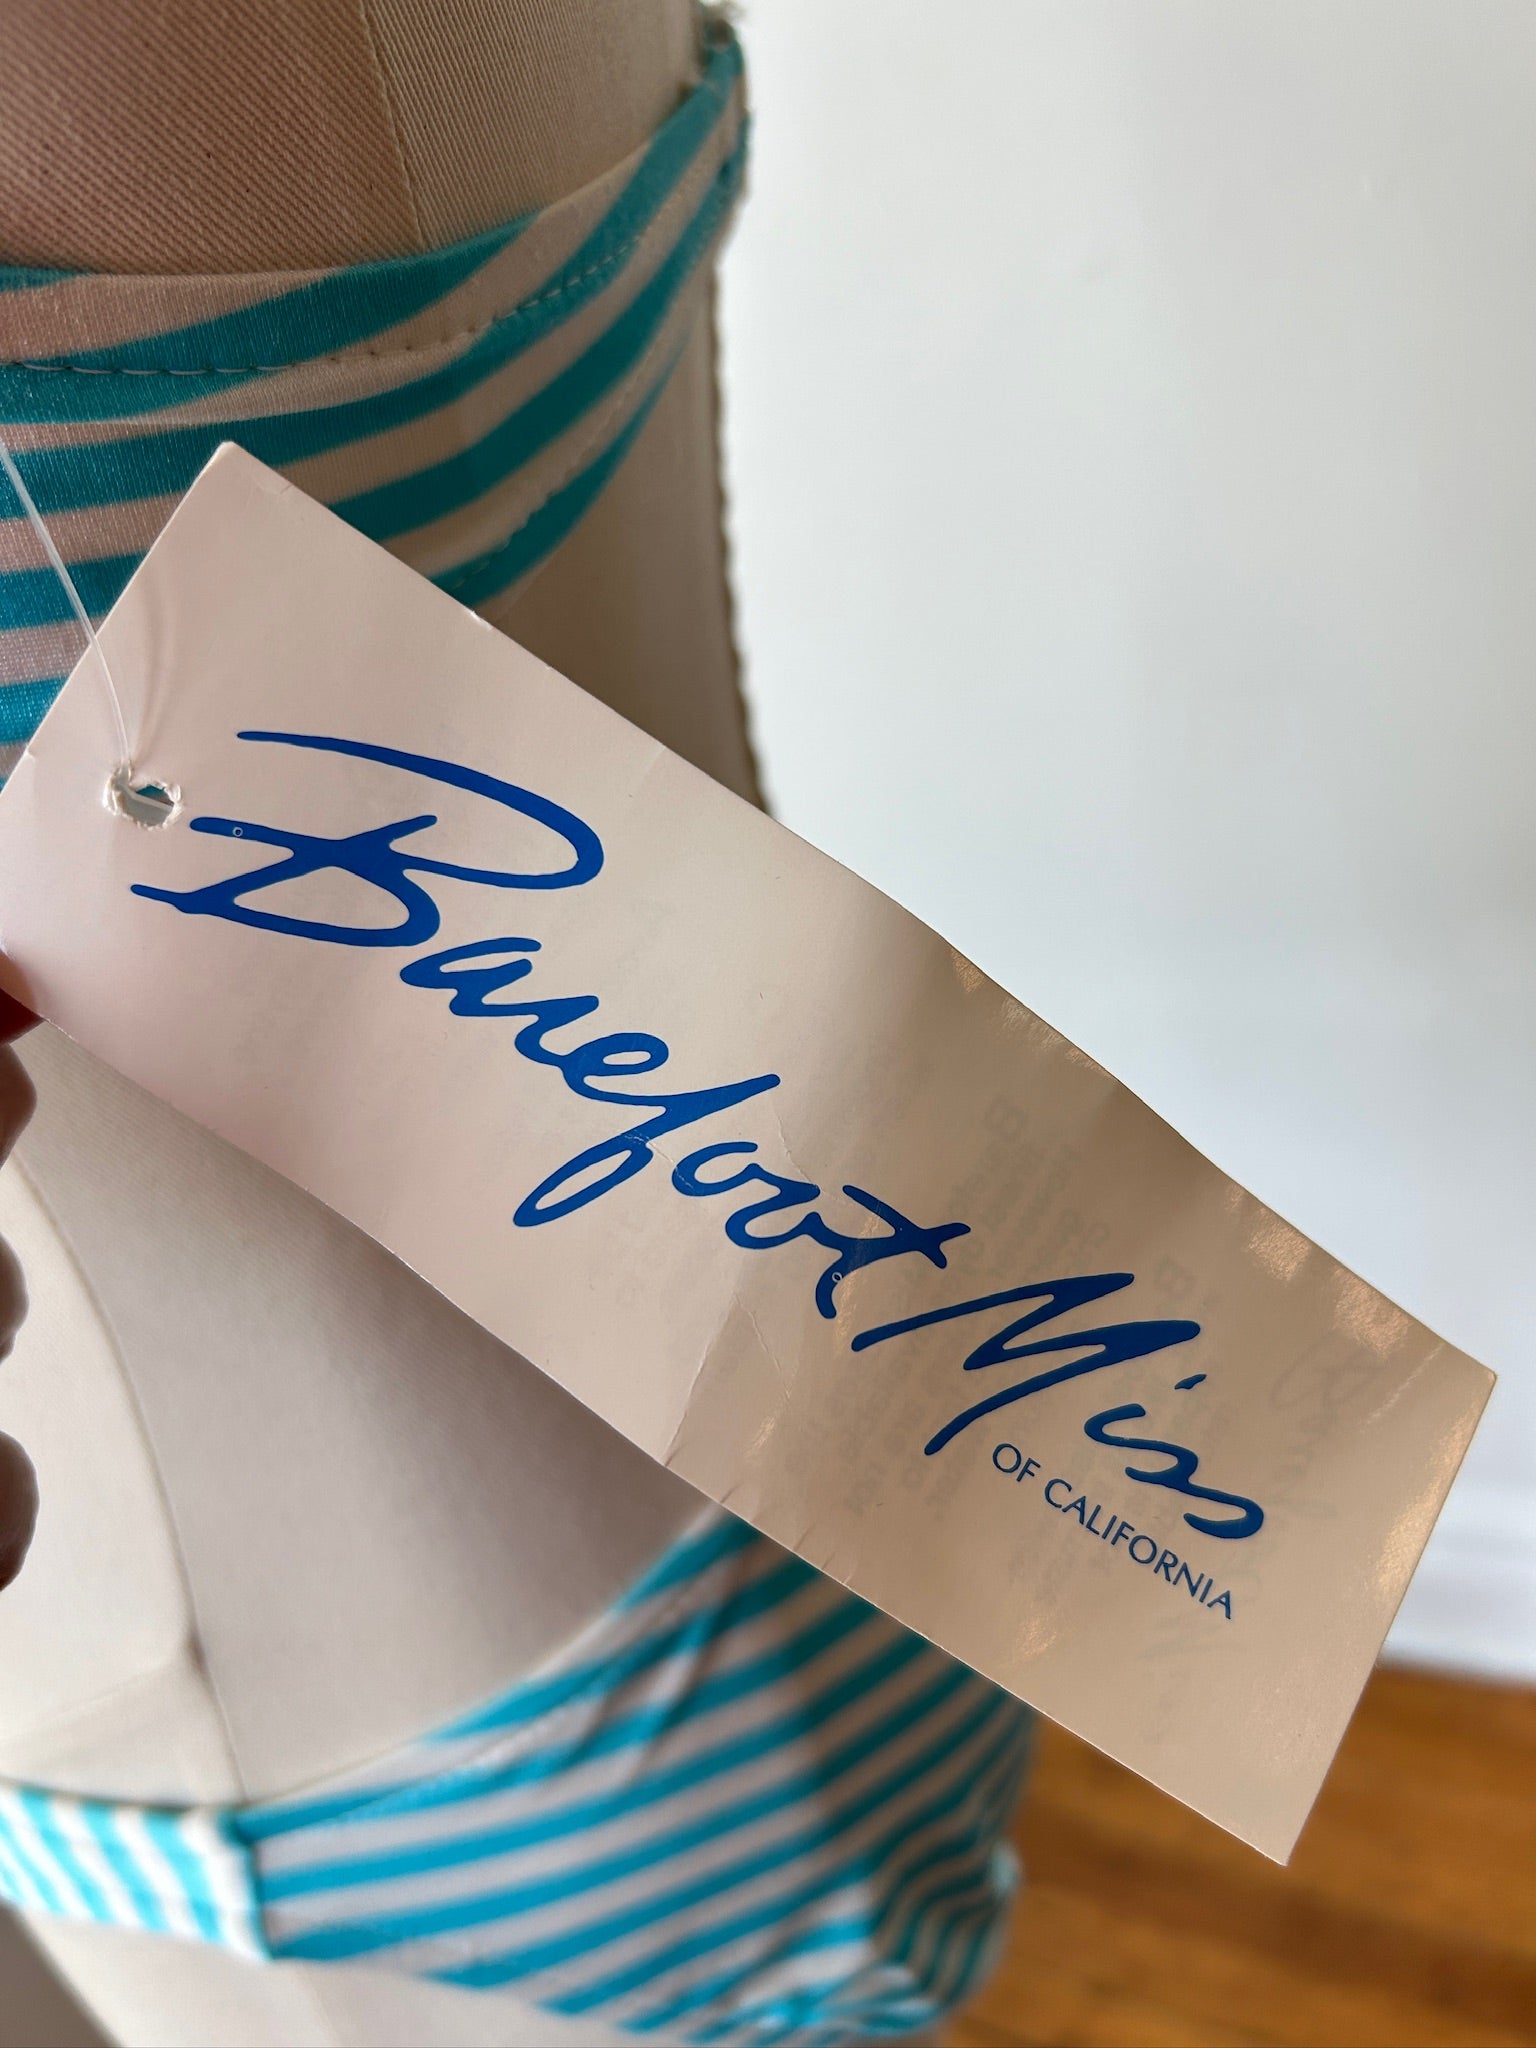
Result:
[{"x": 144, "y": 800}]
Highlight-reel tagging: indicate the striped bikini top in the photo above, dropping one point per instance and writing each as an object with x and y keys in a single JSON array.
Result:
[
  {"x": 464, "y": 407},
  {"x": 742, "y": 1806}
]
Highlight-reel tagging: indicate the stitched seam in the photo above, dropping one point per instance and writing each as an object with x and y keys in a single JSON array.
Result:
[
  {"x": 723, "y": 537},
  {"x": 505, "y": 1746},
  {"x": 486, "y": 559},
  {"x": 452, "y": 580},
  {"x": 386, "y": 93},
  {"x": 193, "y": 1641},
  {"x": 61, "y": 1719},
  {"x": 610, "y": 262}
]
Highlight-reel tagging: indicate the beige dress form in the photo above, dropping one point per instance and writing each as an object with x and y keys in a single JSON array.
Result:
[{"x": 296, "y": 1508}]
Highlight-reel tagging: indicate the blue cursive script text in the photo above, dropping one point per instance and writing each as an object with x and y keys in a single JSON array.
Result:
[{"x": 767, "y": 1210}]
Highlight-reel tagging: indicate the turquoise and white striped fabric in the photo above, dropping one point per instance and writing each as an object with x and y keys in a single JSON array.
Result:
[
  {"x": 464, "y": 407},
  {"x": 184, "y": 1873},
  {"x": 742, "y": 1807}
]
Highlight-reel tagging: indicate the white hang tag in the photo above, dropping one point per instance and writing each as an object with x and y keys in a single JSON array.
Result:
[{"x": 732, "y": 1147}]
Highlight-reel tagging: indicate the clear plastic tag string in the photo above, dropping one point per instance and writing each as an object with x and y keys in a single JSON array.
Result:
[{"x": 150, "y": 803}]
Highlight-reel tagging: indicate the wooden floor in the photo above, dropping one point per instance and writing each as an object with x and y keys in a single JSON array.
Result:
[{"x": 1407, "y": 1917}]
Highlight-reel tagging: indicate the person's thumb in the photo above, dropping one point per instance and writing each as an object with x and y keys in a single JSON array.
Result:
[
  {"x": 18, "y": 1507},
  {"x": 14, "y": 1018}
]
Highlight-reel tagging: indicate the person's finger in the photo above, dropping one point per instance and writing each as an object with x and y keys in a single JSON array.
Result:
[
  {"x": 15, "y": 1018},
  {"x": 18, "y": 1481},
  {"x": 18, "y": 1099},
  {"x": 13, "y": 1299},
  {"x": 18, "y": 1507}
]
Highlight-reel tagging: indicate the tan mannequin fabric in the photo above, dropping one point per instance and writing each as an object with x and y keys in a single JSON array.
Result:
[{"x": 213, "y": 135}]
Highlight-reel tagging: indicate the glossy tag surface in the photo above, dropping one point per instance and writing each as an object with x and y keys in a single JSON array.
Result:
[{"x": 734, "y": 1148}]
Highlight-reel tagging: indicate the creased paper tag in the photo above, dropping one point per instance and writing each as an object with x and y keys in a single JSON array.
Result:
[{"x": 734, "y": 1148}]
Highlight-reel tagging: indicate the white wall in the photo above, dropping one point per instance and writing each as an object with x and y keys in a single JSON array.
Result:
[{"x": 1132, "y": 423}]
